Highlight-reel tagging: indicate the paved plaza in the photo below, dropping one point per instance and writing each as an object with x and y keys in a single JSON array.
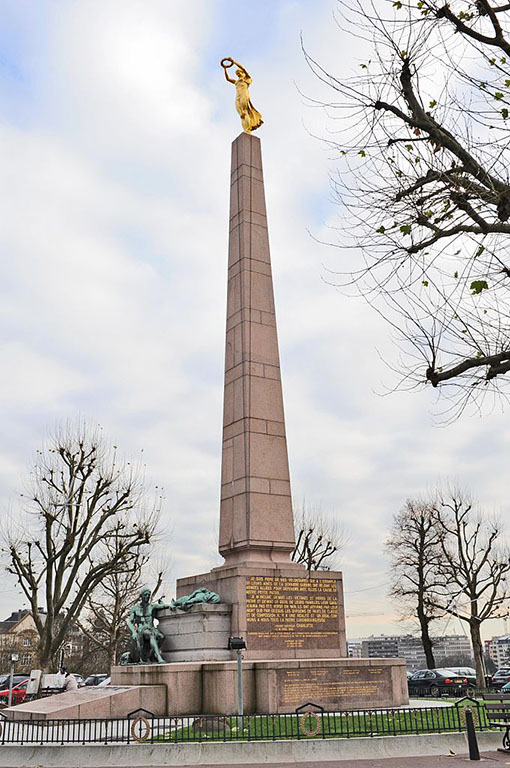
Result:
[{"x": 453, "y": 761}]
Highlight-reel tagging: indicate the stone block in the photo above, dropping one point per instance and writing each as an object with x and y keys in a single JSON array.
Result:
[
  {"x": 262, "y": 343},
  {"x": 246, "y": 151},
  {"x": 268, "y": 456},
  {"x": 276, "y": 428},
  {"x": 93, "y": 702},
  {"x": 247, "y": 193},
  {"x": 266, "y": 401},
  {"x": 199, "y": 634}
]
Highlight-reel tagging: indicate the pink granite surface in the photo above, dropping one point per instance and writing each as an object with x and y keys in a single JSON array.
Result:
[
  {"x": 256, "y": 511},
  {"x": 274, "y": 685},
  {"x": 293, "y": 622},
  {"x": 230, "y": 582},
  {"x": 93, "y": 702}
]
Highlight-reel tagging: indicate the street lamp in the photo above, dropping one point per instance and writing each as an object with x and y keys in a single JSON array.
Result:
[{"x": 237, "y": 644}]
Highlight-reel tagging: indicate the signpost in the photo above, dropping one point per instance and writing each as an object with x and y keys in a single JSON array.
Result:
[{"x": 14, "y": 659}]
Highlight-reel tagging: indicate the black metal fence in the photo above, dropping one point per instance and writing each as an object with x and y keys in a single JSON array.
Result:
[
  {"x": 141, "y": 726},
  {"x": 434, "y": 692},
  {"x": 451, "y": 692}
]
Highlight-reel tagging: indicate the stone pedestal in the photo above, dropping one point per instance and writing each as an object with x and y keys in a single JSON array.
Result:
[
  {"x": 282, "y": 612},
  {"x": 200, "y": 634},
  {"x": 274, "y": 686}
]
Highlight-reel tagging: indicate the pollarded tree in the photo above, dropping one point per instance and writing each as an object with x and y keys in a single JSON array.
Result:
[
  {"x": 319, "y": 539},
  {"x": 414, "y": 549},
  {"x": 424, "y": 136},
  {"x": 473, "y": 567},
  {"x": 87, "y": 516}
]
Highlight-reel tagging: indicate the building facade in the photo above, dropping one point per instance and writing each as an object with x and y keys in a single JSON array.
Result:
[
  {"x": 498, "y": 649},
  {"x": 18, "y": 635},
  {"x": 410, "y": 648}
]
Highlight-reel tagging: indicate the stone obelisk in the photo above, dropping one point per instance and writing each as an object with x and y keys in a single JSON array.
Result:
[
  {"x": 279, "y": 608},
  {"x": 291, "y": 620},
  {"x": 256, "y": 511}
]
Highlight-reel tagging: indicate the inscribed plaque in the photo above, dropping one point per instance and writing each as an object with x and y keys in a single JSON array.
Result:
[
  {"x": 333, "y": 688},
  {"x": 291, "y": 612}
]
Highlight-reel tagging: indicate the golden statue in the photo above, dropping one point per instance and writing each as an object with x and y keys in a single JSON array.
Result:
[{"x": 250, "y": 118}]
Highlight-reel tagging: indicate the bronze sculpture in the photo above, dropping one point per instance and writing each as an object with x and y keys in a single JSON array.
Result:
[
  {"x": 201, "y": 595},
  {"x": 146, "y": 637},
  {"x": 251, "y": 119}
]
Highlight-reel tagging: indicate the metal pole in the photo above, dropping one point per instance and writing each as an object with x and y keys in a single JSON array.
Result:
[
  {"x": 10, "y": 684},
  {"x": 239, "y": 681},
  {"x": 474, "y": 752}
]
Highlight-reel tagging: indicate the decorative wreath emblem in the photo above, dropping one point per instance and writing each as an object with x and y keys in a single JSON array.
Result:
[
  {"x": 140, "y": 735},
  {"x": 462, "y": 716},
  {"x": 315, "y": 724}
]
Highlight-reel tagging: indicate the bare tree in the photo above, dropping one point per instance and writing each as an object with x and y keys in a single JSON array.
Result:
[
  {"x": 423, "y": 135},
  {"x": 414, "y": 549},
  {"x": 319, "y": 539},
  {"x": 87, "y": 515},
  {"x": 473, "y": 567}
]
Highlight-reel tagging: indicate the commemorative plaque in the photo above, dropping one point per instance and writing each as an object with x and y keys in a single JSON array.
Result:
[
  {"x": 332, "y": 687},
  {"x": 292, "y": 613}
]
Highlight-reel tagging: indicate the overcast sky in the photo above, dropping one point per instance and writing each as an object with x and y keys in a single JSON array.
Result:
[{"x": 116, "y": 125}]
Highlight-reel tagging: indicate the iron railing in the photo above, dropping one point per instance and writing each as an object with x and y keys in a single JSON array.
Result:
[
  {"x": 451, "y": 692},
  {"x": 142, "y": 726}
]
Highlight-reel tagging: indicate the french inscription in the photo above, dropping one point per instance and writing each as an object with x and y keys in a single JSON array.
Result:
[
  {"x": 332, "y": 687},
  {"x": 291, "y": 613}
]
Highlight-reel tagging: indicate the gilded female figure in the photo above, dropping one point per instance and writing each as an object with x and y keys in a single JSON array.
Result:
[{"x": 250, "y": 118}]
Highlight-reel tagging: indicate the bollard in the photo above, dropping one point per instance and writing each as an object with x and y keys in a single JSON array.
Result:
[{"x": 474, "y": 752}]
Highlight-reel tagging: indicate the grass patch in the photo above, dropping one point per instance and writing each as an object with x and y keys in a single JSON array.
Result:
[{"x": 321, "y": 726}]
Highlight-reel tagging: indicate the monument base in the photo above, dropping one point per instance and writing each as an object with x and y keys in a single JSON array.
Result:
[
  {"x": 273, "y": 686},
  {"x": 281, "y": 610}
]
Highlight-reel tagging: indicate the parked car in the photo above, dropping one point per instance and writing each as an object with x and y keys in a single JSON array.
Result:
[
  {"x": 104, "y": 682},
  {"x": 435, "y": 682},
  {"x": 4, "y": 680},
  {"x": 500, "y": 677},
  {"x": 95, "y": 679},
  {"x": 506, "y": 688},
  {"x": 468, "y": 672},
  {"x": 19, "y": 692}
]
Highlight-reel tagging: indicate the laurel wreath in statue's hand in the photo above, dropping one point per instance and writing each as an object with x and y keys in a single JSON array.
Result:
[{"x": 230, "y": 63}]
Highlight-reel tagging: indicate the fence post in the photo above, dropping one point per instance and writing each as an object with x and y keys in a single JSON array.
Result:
[{"x": 474, "y": 752}]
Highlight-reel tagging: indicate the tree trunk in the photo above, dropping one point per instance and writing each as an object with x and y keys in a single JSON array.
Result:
[
  {"x": 112, "y": 653},
  {"x": 426, "y": 641},
  {"x": 476, "y": 641},
  {"x": 44, "y": 662},
  {"x": 45, "y": 652}
]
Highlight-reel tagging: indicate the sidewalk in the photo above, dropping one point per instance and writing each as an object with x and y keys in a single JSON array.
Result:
[{"x": 454, "y": 761}]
